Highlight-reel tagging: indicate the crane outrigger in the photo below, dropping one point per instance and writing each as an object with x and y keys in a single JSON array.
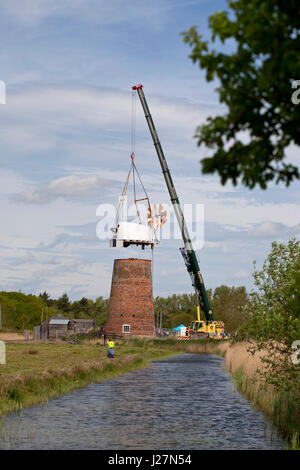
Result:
[{"x": 209, "y": 326}]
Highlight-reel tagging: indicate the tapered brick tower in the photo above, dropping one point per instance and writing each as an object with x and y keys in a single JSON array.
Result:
[{"x": 131, "y": 311}]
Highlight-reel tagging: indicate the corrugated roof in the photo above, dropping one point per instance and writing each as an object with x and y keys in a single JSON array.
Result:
[
  {"x": 57, "y": 321},
  {"x": 83, "y": 319}
]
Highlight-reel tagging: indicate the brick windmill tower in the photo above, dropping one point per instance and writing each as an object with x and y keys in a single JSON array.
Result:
[{"x": 131, "y": 310}]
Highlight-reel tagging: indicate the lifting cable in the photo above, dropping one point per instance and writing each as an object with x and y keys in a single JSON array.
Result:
[
  {"x": 134, "y": 170},
  {"x": 133, "y": 122},
  {"x": 122, "y": 198}
]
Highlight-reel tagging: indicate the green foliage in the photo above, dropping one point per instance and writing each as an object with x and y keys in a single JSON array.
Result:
[
  {"x": 255, "y": 85},
  {"x": 83, "y": 308},
  {"x": 20, "y": 311},
  {"x": 63, "y": 303},
  {"x": 174, "y": 306},
  {"x": 23, "y": 312},
  {"x": 272, "y": 310},
  {"x": 46, "y": 298},
  {"x": 181, "y": 318},
  {"x": 287, "y": 417},
  {"x": 226, "y": 303},
  {"x": 294, "y": 292},
  {"x": 273, "y": 314},
  {"x": 102, "y": 309}
]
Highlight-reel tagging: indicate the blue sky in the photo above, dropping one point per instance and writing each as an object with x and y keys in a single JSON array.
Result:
[{"x": 65, "y": 145}]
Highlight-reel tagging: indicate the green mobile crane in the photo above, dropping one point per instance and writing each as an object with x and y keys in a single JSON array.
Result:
[{"x": 208, "y": 326}]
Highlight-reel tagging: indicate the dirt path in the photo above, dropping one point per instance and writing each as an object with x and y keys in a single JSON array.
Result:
[{"x": 11, "y": 337}]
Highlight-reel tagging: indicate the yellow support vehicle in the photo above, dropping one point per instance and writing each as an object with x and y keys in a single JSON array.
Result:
[{"x": 211, "y": 329}]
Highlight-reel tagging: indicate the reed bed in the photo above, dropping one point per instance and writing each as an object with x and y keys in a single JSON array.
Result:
[
  {"x": 246, "y": 368},
  {"x": 282, "y": 407}
]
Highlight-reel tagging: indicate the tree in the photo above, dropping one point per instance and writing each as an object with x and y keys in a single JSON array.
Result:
[
  {"x": 256, "y": 85},
  {"x": 20, "y": 311},
  {"x": 102, "y": 310},
  {"x": 84, "y": 303},
  {"x": 46, "y": 298},
  {"x": 63, "y": 303},
  {"x": 294, "y": 292},
  {"x": 227, "y": 305},
  {"x": 175, "y": 306},
  {"x": 273, "y": 315},
  {"x": 181, "y": 318}
]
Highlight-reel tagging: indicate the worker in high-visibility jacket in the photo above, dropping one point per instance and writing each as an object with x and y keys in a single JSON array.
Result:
[{"x": 110, "y": 349}]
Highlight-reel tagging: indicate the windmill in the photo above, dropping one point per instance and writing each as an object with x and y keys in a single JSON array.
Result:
[
  {"x": 157, "y": 217},
  {"x": 129, "y": 233}
]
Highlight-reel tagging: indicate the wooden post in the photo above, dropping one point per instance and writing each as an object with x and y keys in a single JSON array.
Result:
[{"x": 2, "y": 353}]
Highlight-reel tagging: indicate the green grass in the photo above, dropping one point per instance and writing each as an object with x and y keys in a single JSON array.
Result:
[
  {"x": 282, "y": 408},
  {"x": 286, "y": 416}
]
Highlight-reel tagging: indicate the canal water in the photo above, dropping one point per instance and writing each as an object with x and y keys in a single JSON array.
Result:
[{"x": 186, "y": 402}]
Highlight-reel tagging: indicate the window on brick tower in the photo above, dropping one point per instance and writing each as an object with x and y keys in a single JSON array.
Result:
[{"x": 126, "y": 328}]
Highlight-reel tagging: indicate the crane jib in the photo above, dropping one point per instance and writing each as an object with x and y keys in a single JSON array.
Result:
[{"x": 187, "y": 252}]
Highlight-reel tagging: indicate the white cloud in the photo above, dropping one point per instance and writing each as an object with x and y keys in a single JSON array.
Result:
[
  {"x": 275, "y": 230},
  {"x": 73, "y": 184},
  {"x": 75, "y": 276},
  {"x": 27, "y": 258},
  {"x": 65, "y": 239},
  {"x": 242, "y": 274},
  {"x": 265, "y": 230},
  {"x": 167, "y": 273},
  {"x": 70, "y": 107},
  {"x": 62, "y": 187},
  {"x": 101, "y": 12},
  {"x": 63, "y": 125},
  {"x": 209, "y": 244}
]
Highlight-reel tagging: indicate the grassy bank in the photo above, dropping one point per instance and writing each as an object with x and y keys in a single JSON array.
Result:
[
  {"x": 35, "y": 373},
  {"x": 282, "y": 408}
]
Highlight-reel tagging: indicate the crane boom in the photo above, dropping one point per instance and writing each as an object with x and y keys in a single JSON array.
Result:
[{"x": 187, "y": 251}]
